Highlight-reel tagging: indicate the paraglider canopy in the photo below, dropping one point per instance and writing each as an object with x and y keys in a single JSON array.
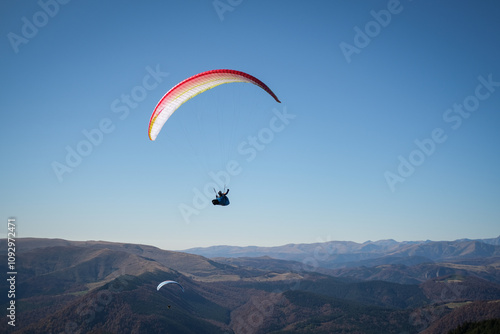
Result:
[
  {"x": 193, "y": 86},
  {"x": 168, "y": 282}
]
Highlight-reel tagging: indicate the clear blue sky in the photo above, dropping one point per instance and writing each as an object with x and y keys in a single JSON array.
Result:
[{"x": 362, "y": 80}]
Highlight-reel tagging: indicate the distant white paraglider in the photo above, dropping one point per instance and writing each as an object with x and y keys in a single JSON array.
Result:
[{"x": 168, "y": 282}]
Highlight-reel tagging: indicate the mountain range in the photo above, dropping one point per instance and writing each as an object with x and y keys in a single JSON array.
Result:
[
  {"x": 336, "y": 254},
  {"x": 335, "y": 287}
]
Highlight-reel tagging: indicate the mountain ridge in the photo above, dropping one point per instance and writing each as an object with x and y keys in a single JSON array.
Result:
[{"x": 335, "y": 254}]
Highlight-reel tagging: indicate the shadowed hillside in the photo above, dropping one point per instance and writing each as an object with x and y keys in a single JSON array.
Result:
[{"x": 470, "y": 312}]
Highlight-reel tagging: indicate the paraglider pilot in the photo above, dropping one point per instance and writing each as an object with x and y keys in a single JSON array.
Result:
[{"x": 221, "y": 199}]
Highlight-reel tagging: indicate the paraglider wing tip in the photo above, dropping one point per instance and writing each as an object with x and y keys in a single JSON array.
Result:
[{"x": 274, "y": 96}]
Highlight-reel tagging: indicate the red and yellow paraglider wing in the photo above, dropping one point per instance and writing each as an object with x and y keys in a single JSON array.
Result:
[{"x": 193, "y": 86}]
